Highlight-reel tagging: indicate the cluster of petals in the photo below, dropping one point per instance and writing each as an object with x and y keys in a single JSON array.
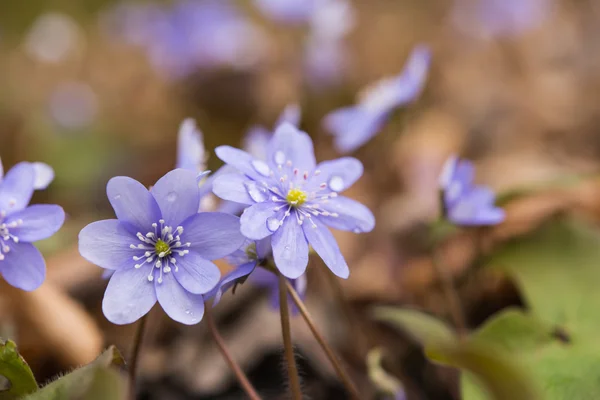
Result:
[
  {"x": 354, "y": 126},
  {"x": 160, "y": 248},
  {"x": 293, "y": 200},
  {"x": 464, "y": 202}
]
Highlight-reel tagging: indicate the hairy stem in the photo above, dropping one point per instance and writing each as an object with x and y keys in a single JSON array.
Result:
[
  {"x": 319, "y": 337},
  {"x": 137, "y": 346},
  {"x": 237, "y": 370},
  {"x": 292, "y": 369}
]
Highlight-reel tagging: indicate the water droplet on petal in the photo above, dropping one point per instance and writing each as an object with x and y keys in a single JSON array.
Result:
[
  {"x": 172, "y": 197},
  {"x": 356, "y": 230},
  {"x": 273, "y": 224},
  {"x": 188, "y": 312},
  {"x": 117, "y": 197},
  {"x": 336, "y": 183},
  {"x": 256, "y": 192},
  {"x": 261, "y": 167},
  {"x": 280, "y": 157}
]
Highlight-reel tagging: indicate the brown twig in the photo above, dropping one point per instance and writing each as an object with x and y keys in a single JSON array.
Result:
[
  {"x": 237, "y": 370},
  {"x": 328, "y": 351},
  {"x": 287, "y": 338}
]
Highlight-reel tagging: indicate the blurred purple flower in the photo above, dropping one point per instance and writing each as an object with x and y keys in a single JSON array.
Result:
[
  {"x": 246, "y": 260},
  {"x": 293, "y": 200},
  {"x": 354, "y": 126},
  {"x": 191, "y": 154},
  {"x": 21, "y": 263},
  {"x": 288, "y": 11},
  {"x": 193, "y": 34},
  {"x": 159, "y": 247},
  {"x": 500, "y": 18},
  {"x": 464, "y": 202},
  {"x": 270, "y": 281}
]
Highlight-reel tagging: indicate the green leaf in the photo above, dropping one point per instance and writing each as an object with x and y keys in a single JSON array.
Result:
[
  {"x": 77, "y": 384},
  {"x": 558, "y": 272},
  {"x": 14, "y": 368},
  {"x": 424, "y": 328}
]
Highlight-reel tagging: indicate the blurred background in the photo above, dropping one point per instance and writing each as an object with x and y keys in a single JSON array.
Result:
[{"x": 98, "y": 88}]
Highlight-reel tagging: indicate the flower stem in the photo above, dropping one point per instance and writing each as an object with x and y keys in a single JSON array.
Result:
[
  {"x": 137, "y": 346},
  {"x": 319, "y": 337},
  {"x": 287, "y": 339},
  {"x": 452, "y": 297},
  {"x": 237, "y": 370}
]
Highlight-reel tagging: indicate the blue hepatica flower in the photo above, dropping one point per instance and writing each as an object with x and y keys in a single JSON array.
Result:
[
  {"x": 464, "y": 202},
  {"x": 160, "y": 248},
  {"x": 190, "y": 34},
  {"x": 21, "y": 264},
  {"x": 246, "y": 259},
  {"x": 354, "y": 126},
  {"x": 293, "y": 200}
]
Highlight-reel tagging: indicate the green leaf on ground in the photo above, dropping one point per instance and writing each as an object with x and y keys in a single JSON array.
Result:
[
  {"x": 20, "y": 379},
  {"x": 424, "y": 328},
  {"x": 78, "y": 384},
  {"x": 558, "y": 272}
]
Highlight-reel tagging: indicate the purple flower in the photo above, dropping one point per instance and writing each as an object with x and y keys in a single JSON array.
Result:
[
  {"x": 464, "y": 202},
  {"x": 190, "y": 34},
  {"x": 21, "y": 264},
  {"x": 159, "y": 247},
  {"x": 246, "y": 260},
  {"x": 191, "y": 154},
  {"x": 293, "y": 200},
  {"x": 354, "y": 126}
]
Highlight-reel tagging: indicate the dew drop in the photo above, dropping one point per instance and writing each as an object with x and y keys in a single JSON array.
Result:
[
  {"x": 261, "y": 167},
  {"x": 188, "y": 312},
  {"x": 117, "y": 197},
  {"x": 172, "y": 197},
  {"x": 280, "y": 157},
  {"x": 356, "y": 230},
  {"x": 258, "y": 194},
  {"x": 336, "y": 183},
  {"x": 273, "y": 224}
]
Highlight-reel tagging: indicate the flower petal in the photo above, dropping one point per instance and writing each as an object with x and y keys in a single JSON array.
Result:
[
  {"x": 239, "y": 159},
  {"x": 16, "y": 188},
  {"x": 44, "y": 175},
  {"x": 230, "y": 279},
  {"x": 106, "y": 244},
  {"x": 177, "y": 196},
  {"x": 179, "y": 304},
  {"x": 195, "y": 274},
  {"x": 212, "y": 234},
  {"x": 254, "y": 220},
  {"x": 351, "y": 215},
  {"x": 129, "y": 295},
  {"x": 23, "y": 267},
  {"x": 191, "y": 154},
  {"x": 133, "y": 204},
  {"x": 232, "y": 187},
  {"x": 353, "y": 126},
  {"x": 411, "y": 81},
  {"x": 323, "y": 242},
  {"x": 291, "y": 144},
  {"x": 338, "y": 174},
  {"x": 290, "y": 114},
  {"x": 263, "y": 248},
  {"x": 290, "y": 249},
  {"x": 256, "y": 141},
  {"x": 38, "y": 222}
]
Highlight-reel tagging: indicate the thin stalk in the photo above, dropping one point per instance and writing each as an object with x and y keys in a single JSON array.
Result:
[
  {"x": 452, "y": 297},
  {"x": 237, "y": 370},
  {"x": 287, "y": 339},
  {"x": 137, "y": 346},
  {"x": 319, "y": 337}
]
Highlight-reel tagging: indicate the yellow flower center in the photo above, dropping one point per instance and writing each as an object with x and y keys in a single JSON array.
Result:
[
  {"x": 162, "y": 248},
  {"x": 296, "y": 197}
]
